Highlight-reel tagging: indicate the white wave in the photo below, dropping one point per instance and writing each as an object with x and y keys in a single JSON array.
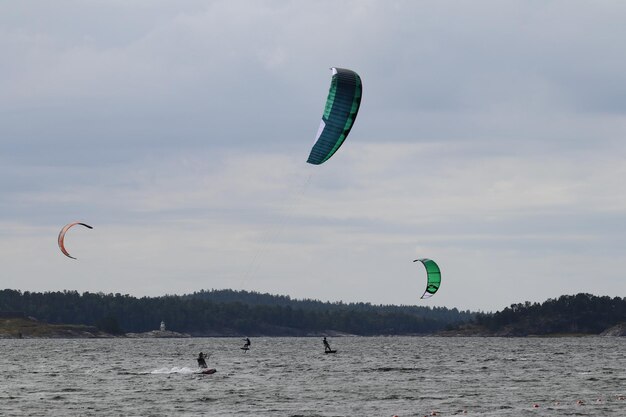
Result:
[{"x": 174, "y": 370}]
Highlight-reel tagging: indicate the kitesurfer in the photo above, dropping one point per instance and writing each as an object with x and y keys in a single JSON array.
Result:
[
  {"x": 202, "y": 361},
  {"x": 247, "y": 344},
  {"x": 326, "y": 345}
]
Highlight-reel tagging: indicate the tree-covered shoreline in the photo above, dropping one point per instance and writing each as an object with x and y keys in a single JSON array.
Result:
[
  {"x": 227, "y": 312},
  {"x": 569, "y": 314},
  {"x": 233, "y": 313}
]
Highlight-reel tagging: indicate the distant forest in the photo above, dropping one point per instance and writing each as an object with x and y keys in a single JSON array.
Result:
[
  {"x": 232, "y": 313},
  {"x": 571, "y": 314},
  {"x": 228, "y": 312}
]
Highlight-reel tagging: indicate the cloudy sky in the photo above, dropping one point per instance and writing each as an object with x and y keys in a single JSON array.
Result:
[{"x": 491, "y": 138}]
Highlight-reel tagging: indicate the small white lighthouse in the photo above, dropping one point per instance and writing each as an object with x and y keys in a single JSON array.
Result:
[{"x": 162, "y": 328}]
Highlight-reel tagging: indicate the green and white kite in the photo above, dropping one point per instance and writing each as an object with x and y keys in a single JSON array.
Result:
[
  {"x": 342, "y": 106},
  {"x": 434, "y": 277}
]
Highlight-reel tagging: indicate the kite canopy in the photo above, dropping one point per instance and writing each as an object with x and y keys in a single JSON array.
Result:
[
  {"x": 434, "y": 277},
  {"x": 62, "y": 237},
  {"x": 342, "y": 106}
]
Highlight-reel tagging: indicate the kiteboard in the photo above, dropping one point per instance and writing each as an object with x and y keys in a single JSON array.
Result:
[
  {"x": 208, "y": 371},
  {"x": 331, "y": 351},
  {"x": 244, "y": 348}
]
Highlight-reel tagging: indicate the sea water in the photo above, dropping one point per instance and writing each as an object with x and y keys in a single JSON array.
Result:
[{"x": 368, "y": 376}]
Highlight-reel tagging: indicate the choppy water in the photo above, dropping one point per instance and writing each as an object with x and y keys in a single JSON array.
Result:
[{"x": 378, "y": 376}]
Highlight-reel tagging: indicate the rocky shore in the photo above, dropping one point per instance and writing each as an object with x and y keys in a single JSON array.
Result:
[
  {"x": 30, "y": 328},
  {"x": 155, "y": 334},
  {"x": 618, "y": 330},
  {"x": 474, "y": 330}
]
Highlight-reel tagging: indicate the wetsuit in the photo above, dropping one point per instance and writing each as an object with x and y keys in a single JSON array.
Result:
[
  {"x": 326, "y": 345},
  {"x": 201, "y": 361}
]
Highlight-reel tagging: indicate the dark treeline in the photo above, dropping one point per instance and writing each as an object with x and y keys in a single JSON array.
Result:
[
  {"x": 255, "y": 298},
  {"x": 227, "y": 313},
  {"x": 581, "y": 313}
]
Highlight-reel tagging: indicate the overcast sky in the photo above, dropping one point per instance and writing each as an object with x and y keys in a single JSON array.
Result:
[{"x": 491, "y": 139}]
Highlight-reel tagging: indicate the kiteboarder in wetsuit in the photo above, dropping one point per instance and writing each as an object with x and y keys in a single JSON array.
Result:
[
  {"x": 201, "y": 360},
  {"x": 247, "y": 344},
  {"x": 326, "y": 345}
]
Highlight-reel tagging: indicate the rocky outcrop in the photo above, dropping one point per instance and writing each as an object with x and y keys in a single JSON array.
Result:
[
  {"x": 617, "y": 330},
  {"x": 31, "y": 328},
  {"x": 156, "y": 334}
]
